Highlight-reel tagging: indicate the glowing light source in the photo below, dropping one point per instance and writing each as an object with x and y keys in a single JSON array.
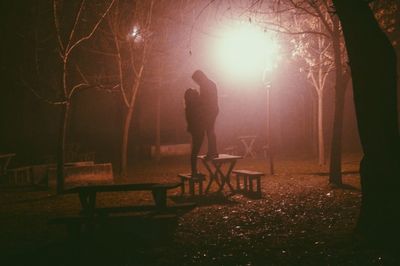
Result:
[
  {"x": 136, "y": 35},
  {"x": 135, "y": 32},
  {"x": 246, "y": 51}
]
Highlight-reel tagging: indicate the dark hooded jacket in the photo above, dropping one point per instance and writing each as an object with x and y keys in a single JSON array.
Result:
[
  {"x": 208, "y": 96},
  {"x": 193, "y": 112}
]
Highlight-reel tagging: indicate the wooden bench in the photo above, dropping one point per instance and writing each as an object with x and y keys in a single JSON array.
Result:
[
  {"x": 85, "y": 172},
  {"x": 87, "y": 193},
  {"x": 20, "y": 176},
  {"x": 91, "y": 216},
  {"x": 192, "y": 181},
  {"x": 248, "y": 177}
]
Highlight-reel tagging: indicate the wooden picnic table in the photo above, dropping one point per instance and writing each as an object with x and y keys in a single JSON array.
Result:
[
  {"x": 5, "y": 159},
  {"x": 248, "y": 144},
  {"x": 87, "y": 194},
  {"x": 90, "y": 216},
  {"x": 214, "y": 167},
  {"x": 4, "y": 162}
]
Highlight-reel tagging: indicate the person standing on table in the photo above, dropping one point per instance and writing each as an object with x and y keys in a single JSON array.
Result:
[
  {"x": 195, "y": 125},
  {"x": 209, "y": 105}
]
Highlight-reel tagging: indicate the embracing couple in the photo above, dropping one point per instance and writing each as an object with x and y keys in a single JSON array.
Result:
[{"x": 201, "y": 109}]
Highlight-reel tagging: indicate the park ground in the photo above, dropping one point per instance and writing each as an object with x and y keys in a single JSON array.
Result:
[{"x": 299, "y": 220}]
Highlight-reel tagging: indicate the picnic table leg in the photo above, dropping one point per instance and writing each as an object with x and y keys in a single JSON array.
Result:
[
  {"x": 213, "y": 176},
  {"x": 160, "y": 197},
  {"x": 88, "y": 201},
  {"x": 201, "y": 187},
  {"x": 219, "y": 172},
  {"x": 182, "y": 185},
  {"x": 251, "y": 150},
  {"x": 258, "y": 184},
  {"x": 191, "y": 187},
  {"x": 225, "y": 178},
  {"x": 246, "y": 148},
  {"x": 238, "y": 182}
]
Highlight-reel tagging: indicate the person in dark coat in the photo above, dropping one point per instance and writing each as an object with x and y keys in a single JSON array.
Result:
[
  {"x": 209, "y": 104},
  {"x": 195, "y": 125}
]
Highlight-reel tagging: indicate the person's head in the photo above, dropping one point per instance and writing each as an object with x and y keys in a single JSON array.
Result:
[
  {"x": 199, "y": 77},
  {"x": 191, "y": 95}
]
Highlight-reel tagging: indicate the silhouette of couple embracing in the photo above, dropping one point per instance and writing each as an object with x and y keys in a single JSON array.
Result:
[{"x": 201, "y": 109}]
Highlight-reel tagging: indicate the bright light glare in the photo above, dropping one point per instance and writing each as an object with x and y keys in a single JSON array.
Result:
[
  {"x": 135, "y": 32},
  {"x": 246, "y": 51},
  {"x": 136, "y": 35}
]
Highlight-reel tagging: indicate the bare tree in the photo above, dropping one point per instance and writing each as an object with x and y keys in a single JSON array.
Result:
[
  {"x": 315, "y": 52},
  {"x": 308, "y": 18},
  {"x": 71, "y": 32},
  {"x": 130, "y": 34}
]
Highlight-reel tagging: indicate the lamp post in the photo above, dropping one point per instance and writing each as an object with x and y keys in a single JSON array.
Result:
[
  {"x": 268, "y": 147},
  {"x": 246, "y": 50}
]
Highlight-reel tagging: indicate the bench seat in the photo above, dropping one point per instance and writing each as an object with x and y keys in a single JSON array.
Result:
[
  {"x": 87, "y": 193},
  {"x": 192, "y": 181},
  {"x": 248, "y": 177}
]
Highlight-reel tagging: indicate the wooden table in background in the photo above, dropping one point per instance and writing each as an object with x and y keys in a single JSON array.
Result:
[
  {"x": 214, "y": 167},
  {"x": 248, "y": 144},
  {"x": 4, "y": 162}
]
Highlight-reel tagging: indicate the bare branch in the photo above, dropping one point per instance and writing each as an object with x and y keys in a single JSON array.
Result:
[
  {"x": 195, "y": 20},
  {"x": 78, "y": 15},
  {"x": 81, "y": 74},
  {"x": 57, "y": 25},
  {"x": 40, "y": 97},
  {"x": 285, "y": 30},
  {"x": 76, "y": 87},
  {"x": 121, "y": 78},
  {"x": 91, "y": 32},
  {"x": 297, "y": 6},
  {"x": 323, "y": 19}
]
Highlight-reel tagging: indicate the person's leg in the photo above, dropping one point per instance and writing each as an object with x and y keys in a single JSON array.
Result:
[
  {"x": 211, "y": 138},
  {"x": 197, "y": 141}
]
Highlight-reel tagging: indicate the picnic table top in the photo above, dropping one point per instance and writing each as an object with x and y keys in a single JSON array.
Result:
[
  {"x": 7, "y": 155},
  {"x": 120, "y": 187},
  {"x": 221, "y": 158}
]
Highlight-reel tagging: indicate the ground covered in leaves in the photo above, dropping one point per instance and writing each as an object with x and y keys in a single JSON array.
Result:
[{"x": 299, "y": 220}]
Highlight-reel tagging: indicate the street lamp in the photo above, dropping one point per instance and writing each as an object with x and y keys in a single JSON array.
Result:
[
  {"x": 271, "y": 57},
  {"x": 245, "y": 51},
  {"x": 268, "y": 147}
]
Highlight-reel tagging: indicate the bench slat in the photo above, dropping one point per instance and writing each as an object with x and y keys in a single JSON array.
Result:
[
  {"x": 189, "y": 176},
  {"x": 248, "y": 172},
  {"x": 121, "y": 187}
]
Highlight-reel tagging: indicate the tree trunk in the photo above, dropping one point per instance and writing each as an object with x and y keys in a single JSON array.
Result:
[
  {"x": 335, "y": 171},
  {"x": 321, "y": 142},
  {"x": 373, "y": 65},
  {"x": 64, "y": 118},
  {"x": 127, "y": 125},
  {"x": 314, "y": 125},
  {"x": 125, "y": 141},
  {"x": 158, "y": 127}
]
